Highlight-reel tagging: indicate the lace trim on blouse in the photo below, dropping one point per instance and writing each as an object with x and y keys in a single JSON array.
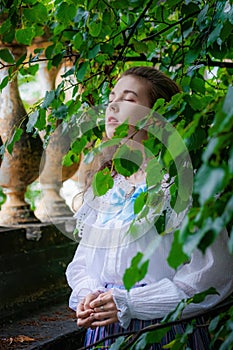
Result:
[{"x": 110, "y": 221}]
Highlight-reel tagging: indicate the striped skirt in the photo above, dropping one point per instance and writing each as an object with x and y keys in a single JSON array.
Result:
[{"x": 198, "y": 340}]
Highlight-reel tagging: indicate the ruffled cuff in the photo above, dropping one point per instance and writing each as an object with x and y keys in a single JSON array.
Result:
[{"x": 120, "y": 297}]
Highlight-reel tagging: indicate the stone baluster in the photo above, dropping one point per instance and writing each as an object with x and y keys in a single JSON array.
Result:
[
  {"x": 52, "y": 206},
  {"x": 20, "y": 168}
]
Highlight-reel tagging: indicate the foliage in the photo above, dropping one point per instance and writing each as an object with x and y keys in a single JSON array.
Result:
[{"x": 189, "y": 40}]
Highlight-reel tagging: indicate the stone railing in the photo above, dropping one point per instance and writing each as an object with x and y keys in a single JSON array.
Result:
[{"x": 29, "y": 161}]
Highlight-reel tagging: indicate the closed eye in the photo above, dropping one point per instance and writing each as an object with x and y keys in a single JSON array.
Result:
[{"x": 129, "y": 100}]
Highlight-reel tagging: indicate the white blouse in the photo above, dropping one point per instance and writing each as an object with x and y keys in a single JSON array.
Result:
[{"x": 107, "y": 247}]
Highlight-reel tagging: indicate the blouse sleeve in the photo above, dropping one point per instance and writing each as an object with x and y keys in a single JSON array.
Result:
[
  {"x": 156, "y": 300},
  {"x": 79, "y": 280}
]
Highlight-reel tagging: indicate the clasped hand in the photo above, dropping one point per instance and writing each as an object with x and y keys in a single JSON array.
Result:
[{"x": 97, "y": 309}]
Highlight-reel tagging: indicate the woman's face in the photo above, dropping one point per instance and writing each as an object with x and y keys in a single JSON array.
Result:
[{"x": 129, "y": 100}]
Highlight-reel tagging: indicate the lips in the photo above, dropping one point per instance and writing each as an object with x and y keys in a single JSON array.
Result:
[{"x": 112, "y": 120}]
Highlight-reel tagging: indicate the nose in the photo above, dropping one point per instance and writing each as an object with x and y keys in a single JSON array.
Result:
[{"x": 113, "y": 106}]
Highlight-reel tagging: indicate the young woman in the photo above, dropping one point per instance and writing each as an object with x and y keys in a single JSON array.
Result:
[{"x": 105, "y": 251}]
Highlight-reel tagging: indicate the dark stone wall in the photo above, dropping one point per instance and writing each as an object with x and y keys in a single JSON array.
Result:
[{"x": 32, "y": 271}]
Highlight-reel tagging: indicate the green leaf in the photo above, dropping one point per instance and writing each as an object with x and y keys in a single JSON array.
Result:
[
  {"x": 140, "y": 47},
  {"x": 198, "y": 85},
  {"x": 49, "y": 97},
  {"x": 25, "y": 36},
  {"x": 82, "y": 69},
  {"x": 136, "y": 272},
  {"x": 31, "y": 70},
  {"x": 214, "y": 35},
  {"x": 95, "y": 27},
  {"x": 154, "y": 173},
  {"x": 65, "y": 12},
  {"x": 68, "y": 72},
  {"x": 57, "y": 59},
  {"x": 32, "y": 121},
  {"x": 70, "y": 158},
  {"x": 176, "y": 255},
  {"x": 15, "y": 137},
  {"x": 228, "y": 342},
  {"x": 151, "y": 337},
  {"x": 152, "y": 146},
  {"x": 140, "y": 202},
  {"x": 102, "y": 182},
  {"x": 60, "y": 112},
  {"x": 200, "y": 297},
  {"x": 4, "y": 82},
  {"x": 121, "y": 130},
  {"x": 180, "y": 339},
  {"x": 78, "y": 41},
  {"x": 78, "y": 145},
  {"x": 214, "y": 323},
  {"x": 176, "y": 313},
  {"x": 209, "y": 181},
  {"x": 41, "y": 120},
  {"x": 127, "y": 161},
  {"x": 117, "y": 344},
  {"x": 6, "y": 26},
  {"x": 93, "y": 52},
  {"x": 160, "y": 223},
  {"x": 6, "y": 56},
  {"x": 36, "y": 14}
]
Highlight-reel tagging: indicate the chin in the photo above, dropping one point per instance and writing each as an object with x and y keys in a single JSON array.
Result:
[{"x": 110, "y": 132}]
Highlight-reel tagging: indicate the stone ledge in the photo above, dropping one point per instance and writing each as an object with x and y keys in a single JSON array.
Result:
[
  {"x": 49, "y": 329},
  {"x": 32, "y": 271}
]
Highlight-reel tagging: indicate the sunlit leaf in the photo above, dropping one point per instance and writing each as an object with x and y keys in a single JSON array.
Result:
[
  {"x": 37, "y": 13},
  {"x": 25, "y": 36},
  {"x": 65, "y": 12},
  {"x": 102, "y": 182}
]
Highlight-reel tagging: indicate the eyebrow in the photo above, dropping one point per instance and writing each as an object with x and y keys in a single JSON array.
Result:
[{"x": 126, "y": 92}]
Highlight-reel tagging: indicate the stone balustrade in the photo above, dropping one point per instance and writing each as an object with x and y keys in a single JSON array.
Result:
[{"x": 28, "y": 161}]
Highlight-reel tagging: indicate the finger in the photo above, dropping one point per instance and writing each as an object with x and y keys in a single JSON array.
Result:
[
  {"x": 98, "y": 302},
  {"x": 89, "y": 298},
  {"x": 86, "y": 322},
  {"x": 80, "y": 308},
  {"x": 105, "y": 315},
  {"x": 102, "y": 299},
  {"x": 106, "y": 307},
  {"x": 84, "y": 314}
]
